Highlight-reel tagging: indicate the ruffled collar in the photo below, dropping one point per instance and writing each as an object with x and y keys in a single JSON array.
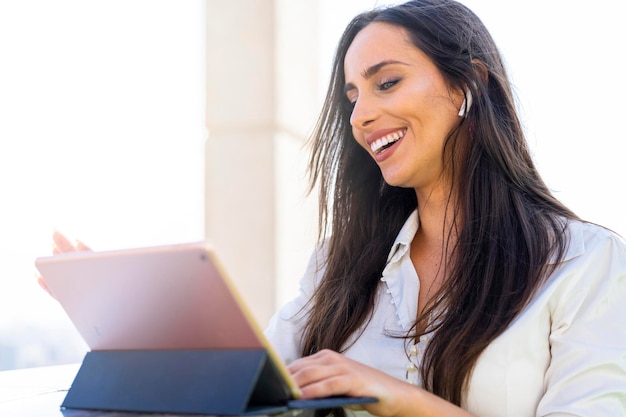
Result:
[
  {"x": 400, "y": 277},
  {"x": 405, "y": 237},
  {"x": 402, "y": 282}
]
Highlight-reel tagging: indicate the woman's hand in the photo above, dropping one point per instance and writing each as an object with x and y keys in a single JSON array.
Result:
[
  {"x": 328, "y": 373},
  {"x": 62, "y": 244}
]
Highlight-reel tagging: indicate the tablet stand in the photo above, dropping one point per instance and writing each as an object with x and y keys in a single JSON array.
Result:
[{"x": 216, "y": 382}]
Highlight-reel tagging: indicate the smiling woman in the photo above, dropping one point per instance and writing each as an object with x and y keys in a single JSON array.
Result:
[
  {"x": 400, "y": 100},
  {"x": 102, "y": 129},
  {"x": 447, "y": 275}
]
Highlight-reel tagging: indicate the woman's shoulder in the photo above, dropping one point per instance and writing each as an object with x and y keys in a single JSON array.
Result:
[
  {"x": 581, "y": 306},
  {"x": 594, "y": 260},
  {"x": 586, "y": 239}
]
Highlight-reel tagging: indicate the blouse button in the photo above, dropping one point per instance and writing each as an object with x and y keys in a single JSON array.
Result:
[
  {"x": 411, "y": 373},
  {"x": 411, "y": 369}
]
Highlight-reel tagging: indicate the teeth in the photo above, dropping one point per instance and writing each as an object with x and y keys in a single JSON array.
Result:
[{"x": 386, "y": 140}]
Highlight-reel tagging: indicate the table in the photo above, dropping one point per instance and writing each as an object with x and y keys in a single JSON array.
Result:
[
  {"x": 35, "y": 392},
  {"x": 39, "y": 392}
]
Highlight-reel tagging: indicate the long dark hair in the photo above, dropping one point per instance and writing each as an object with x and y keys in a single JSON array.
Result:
[{"x": 507, "y": 223}]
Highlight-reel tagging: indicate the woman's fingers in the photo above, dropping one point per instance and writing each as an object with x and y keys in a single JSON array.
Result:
[
  {"x": 314, "y": 374},
  {"x": 62, "y": 244},
  {"x": 81, "y": 246},
  {"x": 42, "y": 283},
  {"x": 329, "y": 373}
]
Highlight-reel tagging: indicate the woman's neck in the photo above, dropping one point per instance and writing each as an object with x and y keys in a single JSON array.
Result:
[
  {"x": 430, "y": 247},
  {"x": 436, "y": 216}
]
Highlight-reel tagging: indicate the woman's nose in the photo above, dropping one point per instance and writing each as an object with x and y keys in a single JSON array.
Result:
[{"x": 363, "y": 113}]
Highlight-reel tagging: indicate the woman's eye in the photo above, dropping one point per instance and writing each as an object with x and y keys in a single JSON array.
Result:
[
  {"x": 349, "y": 105},
  {"x": 386, "y": 85},
  {"x": 349, "y": 102}
]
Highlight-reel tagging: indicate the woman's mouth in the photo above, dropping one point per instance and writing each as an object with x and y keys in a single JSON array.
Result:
[{"x": 386, "y": 141}]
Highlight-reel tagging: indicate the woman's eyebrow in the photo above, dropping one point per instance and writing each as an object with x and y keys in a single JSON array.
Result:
[{"x": 369, "y": 72}]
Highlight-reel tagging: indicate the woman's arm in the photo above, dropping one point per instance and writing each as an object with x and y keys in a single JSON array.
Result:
[
  {"x": 285, "y": 327},
  {"x": 587, "y": 373},
  {"x": 329, "y": 373}
]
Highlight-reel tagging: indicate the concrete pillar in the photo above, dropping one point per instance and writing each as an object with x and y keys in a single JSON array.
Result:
[{"x": 259, "y": 110}]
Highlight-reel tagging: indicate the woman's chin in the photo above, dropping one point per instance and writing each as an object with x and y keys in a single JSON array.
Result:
[{"x": 395, "y": 178}]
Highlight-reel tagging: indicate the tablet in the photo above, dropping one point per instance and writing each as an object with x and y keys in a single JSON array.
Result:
[
  {"x": 165, "y": 297},
  {"x": 175, "y": 297}
]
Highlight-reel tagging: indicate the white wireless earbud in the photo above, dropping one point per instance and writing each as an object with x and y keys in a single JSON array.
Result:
[{"x": 467, "y": 103}]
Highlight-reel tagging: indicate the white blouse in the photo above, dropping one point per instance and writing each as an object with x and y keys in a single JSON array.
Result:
[{"x": 564, "y": 355}]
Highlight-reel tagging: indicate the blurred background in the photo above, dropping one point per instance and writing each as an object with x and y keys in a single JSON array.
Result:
[{"x": 152, "y": 122}]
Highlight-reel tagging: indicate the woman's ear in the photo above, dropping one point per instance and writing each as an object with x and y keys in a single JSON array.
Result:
[{"x": 481, "y": 72}]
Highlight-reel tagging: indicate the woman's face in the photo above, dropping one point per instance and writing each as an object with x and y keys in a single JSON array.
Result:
[{"x": 403, "y": 107}]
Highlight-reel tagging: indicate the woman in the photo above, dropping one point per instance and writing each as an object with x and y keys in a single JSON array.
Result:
[{"x": 448, "y": 281}]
